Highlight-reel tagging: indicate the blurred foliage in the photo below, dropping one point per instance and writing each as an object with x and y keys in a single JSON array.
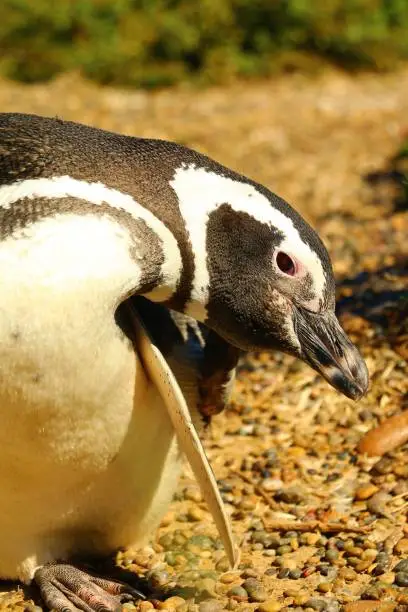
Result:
[{"x": 158, "y": 42}]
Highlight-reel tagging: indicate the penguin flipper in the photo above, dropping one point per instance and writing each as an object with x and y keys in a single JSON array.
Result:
[{"x": 166, "y": 383}]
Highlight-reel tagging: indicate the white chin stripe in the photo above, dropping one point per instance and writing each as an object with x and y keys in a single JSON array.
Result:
[
  {"x": 98, "y": 193},
  {"x": 200, "y": 192}
]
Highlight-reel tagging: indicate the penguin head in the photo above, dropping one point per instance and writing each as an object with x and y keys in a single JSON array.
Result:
[{"x": 271, "y": 282}]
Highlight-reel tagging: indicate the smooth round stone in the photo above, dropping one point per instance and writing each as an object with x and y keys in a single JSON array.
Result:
[
  {"x": 228, "y": 578},
  {"x": 166, "y": 541},
  {"x": 283, "y": 550},
  {"x": 402, "y": 566},
  {"x": 255, "y": 590},
  {"x": 171, "y": 603},
  {"x": 272, "y": 484},
  {"x": 363, "y": 565},
  {"x": 238, "y": 592},
  {"x": 195, "y": 514},
  {"x": 388, "y": 578},
  {"x": 158, "y": 578},
  {"x": 295, "y": 574},
  {"x": 401, "y": 579},
  {"x": 365, "y": 491},
  {"x": 283, "y": 573},
  {"x": 271, "y": 605},
  {"x": 402, "y": 546},
  {"x": 210, "y": 605},
  {"x": 289, "y": 496},
  {"x": 367, "y": 605},
  {"x": 200, "y": 541},
  {"x": 222, "y": 565}
]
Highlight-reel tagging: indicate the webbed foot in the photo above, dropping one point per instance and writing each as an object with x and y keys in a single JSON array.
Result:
[{"x": 65, "y": 588}]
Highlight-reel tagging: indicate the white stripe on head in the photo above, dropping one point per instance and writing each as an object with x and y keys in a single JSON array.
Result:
[
  {"x": 200, "y": 192},
  {"x": 98, "y": 193}
]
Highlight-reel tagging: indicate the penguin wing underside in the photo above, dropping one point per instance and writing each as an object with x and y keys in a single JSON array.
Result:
[{"x": 160, "y": 373}]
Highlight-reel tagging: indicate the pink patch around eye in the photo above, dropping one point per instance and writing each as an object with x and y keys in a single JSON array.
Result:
[{"x": 285, "y": 264}]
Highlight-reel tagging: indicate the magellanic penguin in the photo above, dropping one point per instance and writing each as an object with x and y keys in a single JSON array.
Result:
[{"x": 90, "y": 221}]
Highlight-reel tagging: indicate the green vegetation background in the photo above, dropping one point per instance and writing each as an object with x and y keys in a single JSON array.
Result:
[{"x": 160, "y": 42}]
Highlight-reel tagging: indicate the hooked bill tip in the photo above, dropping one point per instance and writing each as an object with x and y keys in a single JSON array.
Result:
[{"x": 352, "y": 382}]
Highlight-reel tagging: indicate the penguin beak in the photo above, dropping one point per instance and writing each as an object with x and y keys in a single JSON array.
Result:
[{"x": 327, "y": 349}]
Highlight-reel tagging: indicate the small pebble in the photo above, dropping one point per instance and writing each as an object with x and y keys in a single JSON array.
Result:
[
  {"x": 271, "y": 484},
  {"x": 195, "y": 514},
  {"x": 295, "y": 574},
  {"x": 310, "y": 538},
  {"x": 255, "y": 590},
  {"x": 369, "y": 553},
  {"x": 271, "y": 605},
  {"x": 324, "y": 587},
  {"x": 158, "y": 578},
  {"x": 331, "y": 555},
  {"x": 365, "y": 491},
  {"x": 372, "y": 592},
  {"x": 402, "y": 546},
  {"x": 238, "y": 593},
  {"x": 388, "y": 578},
  {"x": 401, "y": 579},
  {"x": 348, "y": 574},
  {"x": 171, "y": 603},
  {"x": 368, "y": 606},
  {"x": 377, "y": 504},
  {"x": 210, "y": 605},
  {"x": 166, "y": 540},
  {"x": 228, "y": 578},
  {"x": 316, "y": 604},
  {"x": 354, "y": 561},
  {"x": 200, "y": 542},
  {"x": 283, "y": 573},
  {"x": 363, "y": 565},
  {"x": 300, "y": 599},
  {"x": 308, "y": 570},
  {"x": 145, "y": 605},
  {"x": 249, "y": 573},
  {"x": 402, "y": 566},
  {"x": 222, "y": 565},
  {"x": 283, "y": 550},
  {"x": 289, "y": 496},
  {"x": 383, "y": 466}
]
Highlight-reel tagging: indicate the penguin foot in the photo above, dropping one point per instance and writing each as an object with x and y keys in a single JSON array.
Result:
[{"x": 64, "y": 588}]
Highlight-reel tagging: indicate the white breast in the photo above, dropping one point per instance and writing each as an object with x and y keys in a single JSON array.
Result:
[{"x": 89, "y": 458}]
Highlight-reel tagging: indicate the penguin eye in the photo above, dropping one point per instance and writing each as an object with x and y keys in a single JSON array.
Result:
[{"x": 285, "y": 264}]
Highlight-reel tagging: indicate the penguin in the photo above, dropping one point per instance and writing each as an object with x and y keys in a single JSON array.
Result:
[{"x": 94, "y": 225}]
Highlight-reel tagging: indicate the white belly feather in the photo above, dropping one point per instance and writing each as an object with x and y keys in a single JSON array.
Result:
[{"x": 89, "y": 459}]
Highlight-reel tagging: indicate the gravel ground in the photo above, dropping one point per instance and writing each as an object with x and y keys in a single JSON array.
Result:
[{"x": 319, "y": 506}]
